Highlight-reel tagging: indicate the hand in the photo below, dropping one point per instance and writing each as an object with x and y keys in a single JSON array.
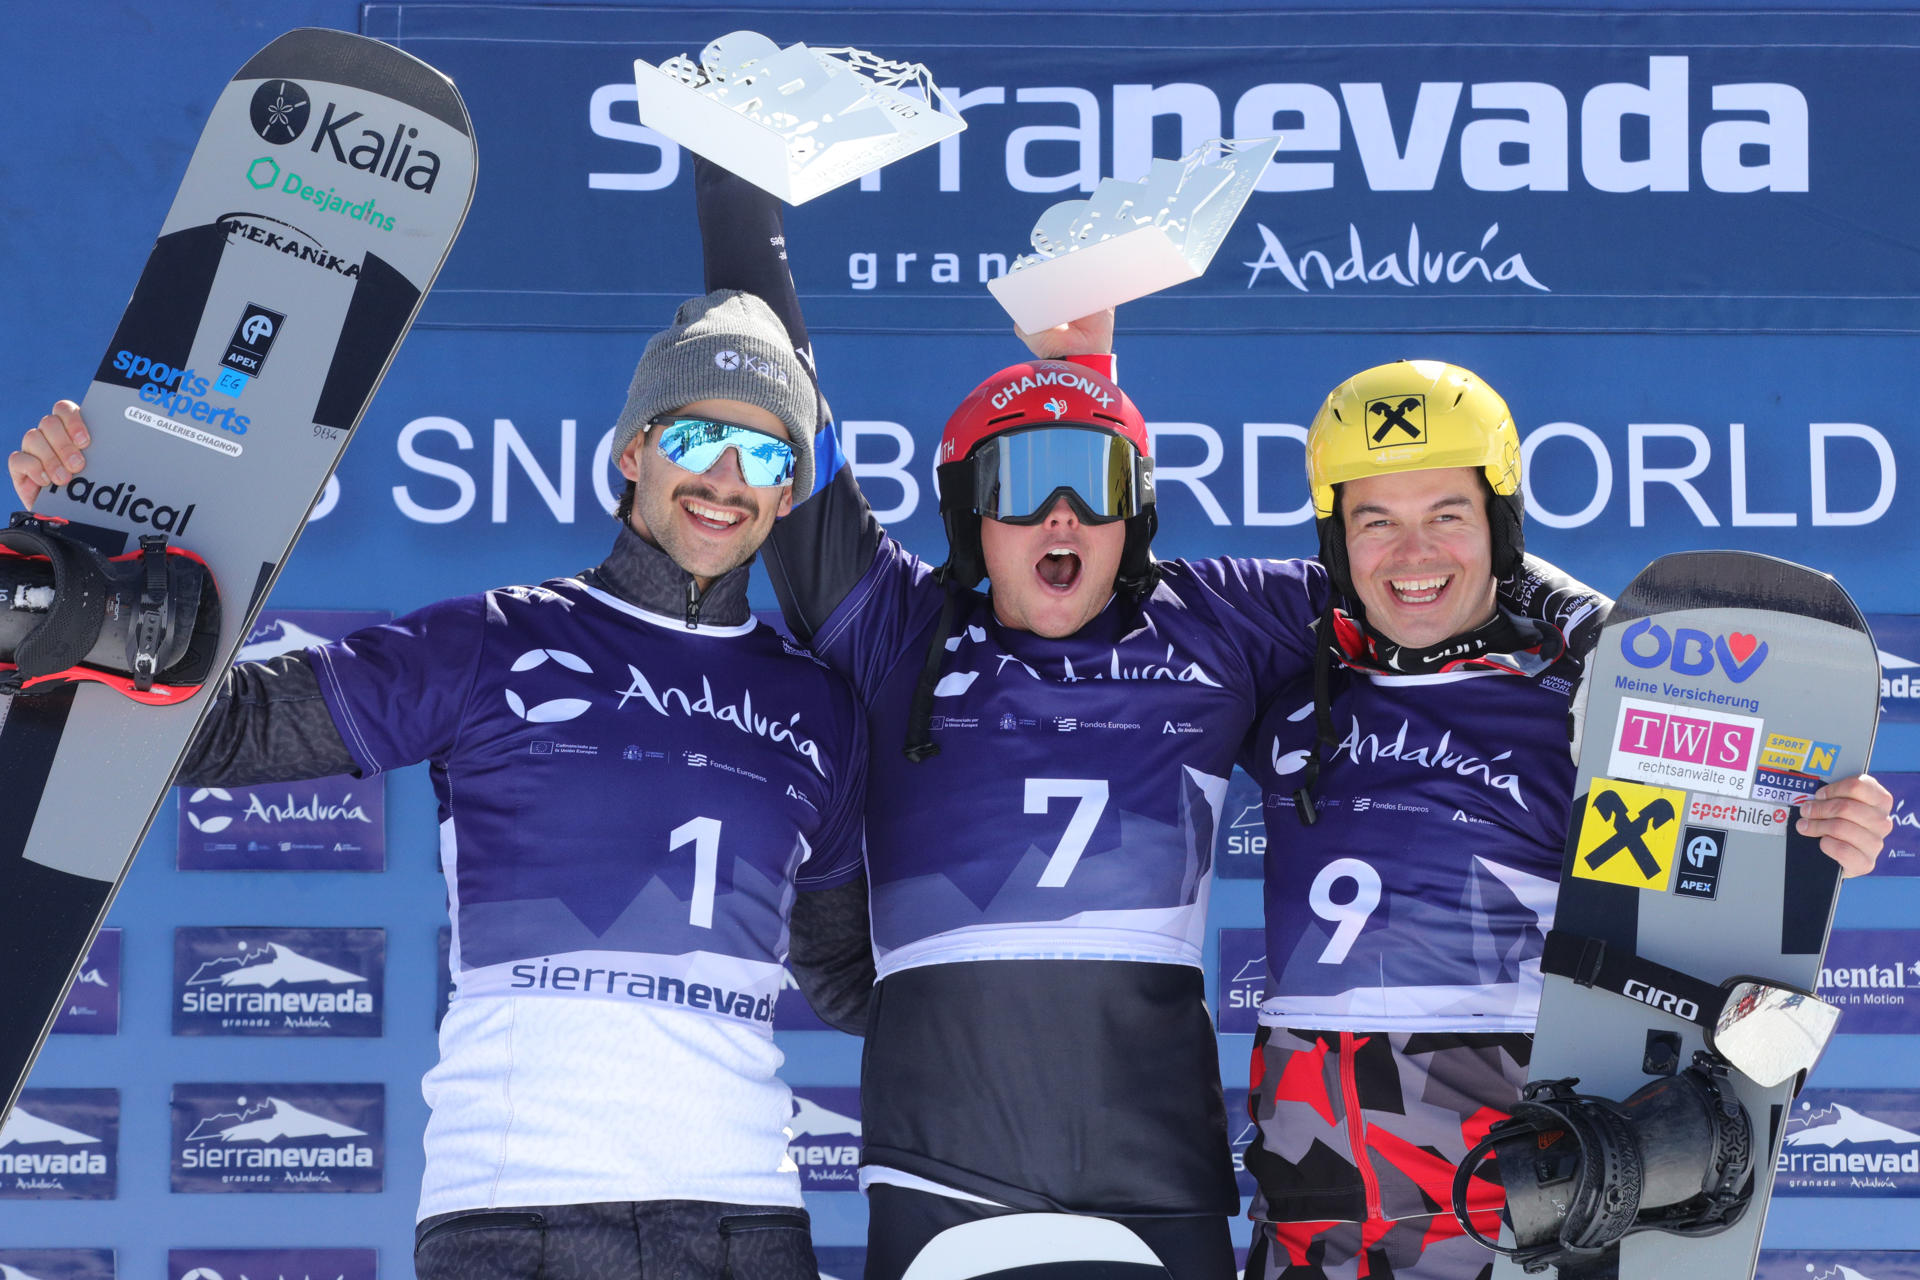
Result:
[
  {"x": 51, "y": 453},
  {"x": 1087, "y": 336},
  {"x": 1853, "y": 818}
]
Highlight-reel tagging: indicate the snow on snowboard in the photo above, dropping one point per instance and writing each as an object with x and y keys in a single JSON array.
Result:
[
  {"x": 327, "y": 187},
  {"x": 1726, "y": 687}
]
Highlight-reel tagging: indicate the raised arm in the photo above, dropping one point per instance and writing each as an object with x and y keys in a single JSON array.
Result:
[{"x": 818, "y": 553}]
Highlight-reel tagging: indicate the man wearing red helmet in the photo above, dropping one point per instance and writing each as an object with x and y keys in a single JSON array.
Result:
[{"x": 1038, "y": 1038}]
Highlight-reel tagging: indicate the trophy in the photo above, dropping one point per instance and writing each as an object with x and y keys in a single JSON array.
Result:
[
  {"x": 1130, "y": 239},
  {"x": 796, "y": 121}
]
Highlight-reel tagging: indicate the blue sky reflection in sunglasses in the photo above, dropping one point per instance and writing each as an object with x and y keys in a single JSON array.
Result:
[{"x": 695, "y": 444}]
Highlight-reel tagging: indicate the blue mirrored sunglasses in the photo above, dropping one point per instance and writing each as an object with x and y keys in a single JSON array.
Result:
[{"x": 695, "y": 444}]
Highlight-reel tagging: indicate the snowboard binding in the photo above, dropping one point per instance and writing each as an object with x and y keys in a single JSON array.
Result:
[
  {"x": 1581, "y": 1172},
  {"x": 146, "y": 624}
]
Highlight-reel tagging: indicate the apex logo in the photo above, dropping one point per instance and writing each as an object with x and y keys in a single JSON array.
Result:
[{"x": 1690, "y": 652}]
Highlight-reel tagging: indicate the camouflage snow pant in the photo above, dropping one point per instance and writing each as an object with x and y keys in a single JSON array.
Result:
[{"x": 1358, "y": 1136}]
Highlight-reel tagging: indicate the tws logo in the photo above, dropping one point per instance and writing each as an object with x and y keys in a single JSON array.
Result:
[{"x": 1690, "y": 652}]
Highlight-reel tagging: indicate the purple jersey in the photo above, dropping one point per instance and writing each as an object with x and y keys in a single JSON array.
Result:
[
  {"x": 1420, "y": 899},
  {"x": 1072, "y": 808},
  {"x": 626, "y": 805}
]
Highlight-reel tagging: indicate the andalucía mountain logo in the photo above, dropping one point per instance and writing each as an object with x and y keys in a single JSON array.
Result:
[
  {"x": 56, "y": 1264},
  {"x": 279, "y": 1137},
  {"x": 823, "y": 1139},
  {"x": 271, "y": 1264},
  {"x": 278, "y": 982},
  {"x": 61, "y": 1144},
  {"x": 1851, "y": 1142}
]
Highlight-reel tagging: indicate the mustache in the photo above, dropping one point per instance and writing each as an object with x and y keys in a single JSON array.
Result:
[{"x": 702, "y": 493}]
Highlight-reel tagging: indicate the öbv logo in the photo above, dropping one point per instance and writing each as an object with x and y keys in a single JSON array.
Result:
[{"x": 1690, "y": 652}]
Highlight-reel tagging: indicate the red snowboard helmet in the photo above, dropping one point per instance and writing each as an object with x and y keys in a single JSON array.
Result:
[{"x": 1036, "y": 432}]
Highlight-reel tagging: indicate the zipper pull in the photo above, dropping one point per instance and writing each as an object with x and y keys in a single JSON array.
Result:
[{"x": 693, "y": 605}]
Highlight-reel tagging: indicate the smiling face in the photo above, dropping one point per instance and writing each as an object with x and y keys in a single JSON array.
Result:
[
  {"x": 1052, "y": 577},
  {"x": 1421, "y": 552},
  {"x": 712, "y": 521}
]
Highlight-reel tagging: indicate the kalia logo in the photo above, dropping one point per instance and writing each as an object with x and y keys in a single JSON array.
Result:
[
  {"x": 280, "y": 112},
  {"x": 1690, "y": 652}
]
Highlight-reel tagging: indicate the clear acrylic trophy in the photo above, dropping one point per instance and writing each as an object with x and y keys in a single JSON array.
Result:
[
  {"x": 796, "y": 121},
  {"x": 1130, "y": 239}
]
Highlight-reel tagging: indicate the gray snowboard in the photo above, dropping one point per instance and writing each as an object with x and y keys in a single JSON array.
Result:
[
  {"x": 1724, "y": 684},
  {"x": 326, "y": 189}
]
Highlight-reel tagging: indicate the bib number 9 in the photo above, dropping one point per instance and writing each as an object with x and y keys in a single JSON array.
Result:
[{"x": 1349, "y": 917}]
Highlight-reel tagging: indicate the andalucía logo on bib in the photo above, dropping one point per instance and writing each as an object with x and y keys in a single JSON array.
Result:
[
  {"x": 278, "y": 982},
  {"x": 61, "y": 1144},
  {"x": 279, "y": 1137}
]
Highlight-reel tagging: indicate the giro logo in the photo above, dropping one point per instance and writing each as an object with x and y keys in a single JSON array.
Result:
[
  {"x": 1057, "y": 407},
  {"x": 1691, "y": 652},
  {"x": 557, "y": 709},
  {"x": 1402, "y": 421},
  {"x": 1628, "y": 834},
  {"x": 279, "y": 111},
  {"x": 215, "y": 823},
  {"x": 1664, "y": 1000}
]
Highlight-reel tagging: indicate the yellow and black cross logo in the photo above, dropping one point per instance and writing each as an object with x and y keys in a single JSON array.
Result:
[
  {"x": 1396, "y": 420},
  {"x": 1629, "y": 834}
]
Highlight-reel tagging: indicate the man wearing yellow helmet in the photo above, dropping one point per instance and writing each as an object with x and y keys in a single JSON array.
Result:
[{"x": 1417, "y": 795}]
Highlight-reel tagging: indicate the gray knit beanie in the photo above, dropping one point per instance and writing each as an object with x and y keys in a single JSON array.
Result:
[{"x": 728, "y": 345}]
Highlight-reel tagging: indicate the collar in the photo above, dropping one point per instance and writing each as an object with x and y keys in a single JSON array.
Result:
[
  {"x": 1506, "y": 642},
  {"x": 642, "y": 574}
]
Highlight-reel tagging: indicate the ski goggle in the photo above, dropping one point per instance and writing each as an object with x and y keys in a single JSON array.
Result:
[
  {"x": 695, "y": 444},
  {"x": 1018, "y": 476}
]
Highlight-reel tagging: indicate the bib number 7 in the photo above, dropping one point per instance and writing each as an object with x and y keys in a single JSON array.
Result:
[{"x": 1091, "y": 797}]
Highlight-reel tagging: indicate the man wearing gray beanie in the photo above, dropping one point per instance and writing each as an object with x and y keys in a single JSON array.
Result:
[{"x": 635, "y": 777}]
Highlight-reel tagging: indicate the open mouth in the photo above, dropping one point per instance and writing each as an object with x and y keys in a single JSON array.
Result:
[
  {"x": 1417, "y": 591},
  {"x": 1059, "y": 569},
  {"x": 709, "y": 517}
]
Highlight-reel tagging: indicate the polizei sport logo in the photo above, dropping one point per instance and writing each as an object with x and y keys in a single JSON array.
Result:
[{"x": 279, "y": 1137}]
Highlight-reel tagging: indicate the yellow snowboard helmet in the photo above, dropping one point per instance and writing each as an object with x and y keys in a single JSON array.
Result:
[{"x": 1414, "y": 415}]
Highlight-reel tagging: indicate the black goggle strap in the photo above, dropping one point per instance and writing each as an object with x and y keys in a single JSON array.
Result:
[
  {"x": 1590, "y": 962},
  {"x": 1324, "y": 739}
]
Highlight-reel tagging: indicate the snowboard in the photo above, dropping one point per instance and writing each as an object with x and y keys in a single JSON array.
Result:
[
  {"x": 1725, "y": 686},
  {"x": 326, "y": 189}
]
